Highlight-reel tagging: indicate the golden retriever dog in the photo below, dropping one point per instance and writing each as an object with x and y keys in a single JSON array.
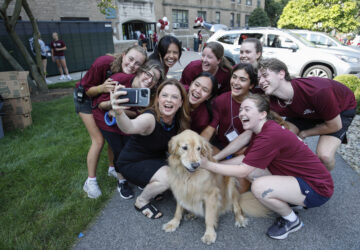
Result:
[{"x": 201, "y": 192}]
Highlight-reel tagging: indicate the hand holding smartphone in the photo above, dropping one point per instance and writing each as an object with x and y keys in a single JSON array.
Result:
[{"x": 130, "y": 97}]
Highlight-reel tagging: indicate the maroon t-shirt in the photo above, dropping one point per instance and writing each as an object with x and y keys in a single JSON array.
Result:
[
  {"x": 122, "y": 78},
  {"x": 316, "y": 98},
  {"x": 194, "y": 68},
  {"x": 57, "y": 45},
  {"x": 200, "y": 118},
  {"x": 283, "y": 153},
  {"x": 222, "y": 116},
  {"x": 96, "y": 75}
]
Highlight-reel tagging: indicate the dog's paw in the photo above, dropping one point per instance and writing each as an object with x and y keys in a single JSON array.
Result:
[
  {"x": 171, "y": 226},
  {"x": 209, "y": 238},
  {"x": 241, "y": 221}
]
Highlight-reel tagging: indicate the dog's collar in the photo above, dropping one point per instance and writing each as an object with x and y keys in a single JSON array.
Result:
[{"x": 167, "y": 127}]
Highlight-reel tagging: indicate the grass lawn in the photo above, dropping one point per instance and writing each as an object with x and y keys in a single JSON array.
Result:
[
  {"x": 42, "y": 172},
  {"x": 58, "y": 85}
]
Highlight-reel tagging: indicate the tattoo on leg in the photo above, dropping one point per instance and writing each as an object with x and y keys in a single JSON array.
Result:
[{"x": 266, "y": 192}]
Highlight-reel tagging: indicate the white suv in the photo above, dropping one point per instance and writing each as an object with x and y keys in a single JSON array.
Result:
[{"x": 301, "y": 56}]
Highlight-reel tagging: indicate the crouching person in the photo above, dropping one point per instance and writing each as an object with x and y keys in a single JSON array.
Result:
[{"x": 283, "y": 170}]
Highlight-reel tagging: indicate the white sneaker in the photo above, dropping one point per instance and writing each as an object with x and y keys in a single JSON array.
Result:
[
  {"x": 62, "y": 77},
  {"x": 92, "y": 189},
  {"x": 47, "y": 81},
  {"x": 68, "y": 77},
  {"x": 112, "y": 172}
]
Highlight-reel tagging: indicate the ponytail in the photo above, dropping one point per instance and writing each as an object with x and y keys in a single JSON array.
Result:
[{"x": 277, "y": 118}]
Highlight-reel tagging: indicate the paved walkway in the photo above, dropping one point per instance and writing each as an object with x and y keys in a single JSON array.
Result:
[{"x": 335, "y": 225}]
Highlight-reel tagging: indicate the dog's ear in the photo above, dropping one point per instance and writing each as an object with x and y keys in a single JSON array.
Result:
[
  {"x": 206, "y": 149},
  {"x": 173, "y": 145}
]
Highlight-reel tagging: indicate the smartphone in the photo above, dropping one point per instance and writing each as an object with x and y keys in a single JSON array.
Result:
[{"x": 138, "y": 97}]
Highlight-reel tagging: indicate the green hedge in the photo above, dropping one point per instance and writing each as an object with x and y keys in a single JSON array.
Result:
[{"x": 353, "y": 83}]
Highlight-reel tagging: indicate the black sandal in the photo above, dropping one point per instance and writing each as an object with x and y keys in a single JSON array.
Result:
[{"x": 150, "y": 208}]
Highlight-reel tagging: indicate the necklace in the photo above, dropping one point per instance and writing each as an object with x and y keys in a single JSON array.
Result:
[
  {"x": 167, "y": 127},
  {"x": 288, "y": 102}
]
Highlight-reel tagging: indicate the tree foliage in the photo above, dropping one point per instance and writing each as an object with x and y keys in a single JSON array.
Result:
[
  {"x": 321, "y": 15},
  {"x": 258, "y": 18},
  {"x": 273, "y": 9}
]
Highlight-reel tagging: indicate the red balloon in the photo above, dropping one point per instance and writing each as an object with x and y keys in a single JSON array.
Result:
[{"x": 166, "y": 23}]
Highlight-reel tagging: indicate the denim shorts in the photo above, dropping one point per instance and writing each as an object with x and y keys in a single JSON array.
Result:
[
  {"x": 84, "y": 107},
  {"x": 312, "y": 198},
  {"x": 346, "y": 118},
  {"x": 59, "y": 57}
]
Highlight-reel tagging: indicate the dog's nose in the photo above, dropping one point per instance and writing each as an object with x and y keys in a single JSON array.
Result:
[{"x": 195, "y": 165}]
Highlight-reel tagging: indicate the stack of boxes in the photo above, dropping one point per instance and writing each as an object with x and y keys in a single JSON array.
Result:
[{"x": 17, "y": 104}]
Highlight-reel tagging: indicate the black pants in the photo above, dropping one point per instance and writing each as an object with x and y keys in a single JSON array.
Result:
[{"x": 116, "y": 142}]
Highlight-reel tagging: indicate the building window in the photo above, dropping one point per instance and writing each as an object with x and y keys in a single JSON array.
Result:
[
  {"x": 202, "y": 14},
  {"x": 258, "y": 3},
  {"x": 181, "y": 17},
  {"x": 249, "y": 2},
  {"x": 233, "y": 1},
  {"x": 239, "y": 1},
  {"x": 217, "y": 17},
  {"x": 247, "y": 20},
  {"x": 231, "y": 19},
  {"x": 238, "y": 20}
]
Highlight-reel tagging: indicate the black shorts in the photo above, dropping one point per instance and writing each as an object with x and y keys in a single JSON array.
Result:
[
  {"x": 84, "y": 107},
  {"x": 116, "y": 142},
  {"x": 43, "y": 57},
  {"x": 140, "y": 172},
  {"x": 346, "y": 118}
]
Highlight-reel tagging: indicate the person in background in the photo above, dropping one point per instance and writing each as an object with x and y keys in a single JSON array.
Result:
[
  {"x": 43, "y": 54},
  {"x": 251, "y": 51},
  {"x": 282, "y": 168},
  {"x": 58, "y": 48},
  {"x": 168, "y": 52},
  {"x": 212, "y": 61},
  {"x": 200, "y": 38},
  {"x": 94, "y": 83}
]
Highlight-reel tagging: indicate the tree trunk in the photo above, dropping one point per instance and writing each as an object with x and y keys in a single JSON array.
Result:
[
  {"x": 10, "y": 27},
  {"x": 11, "y": 60}
]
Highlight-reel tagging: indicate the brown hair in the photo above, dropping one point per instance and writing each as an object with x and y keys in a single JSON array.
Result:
[
  {"x": 274, "y": 65},
  {"x": 263, "y": 104},
  {"x": 152, "y": 64},
  {"x": 183, "y": 114},
  {"x": 257, "y": 44},
  {"x": 218, "y": 51},
  {"x": 115, "y": 66}
]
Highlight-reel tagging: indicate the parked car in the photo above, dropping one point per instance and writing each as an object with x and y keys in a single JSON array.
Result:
[
  {"x": 323, "y": 40},
  {"x": 302, "y": 57}
]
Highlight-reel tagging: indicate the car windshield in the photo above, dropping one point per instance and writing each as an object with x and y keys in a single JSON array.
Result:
[{"x": 302, "y": 40}]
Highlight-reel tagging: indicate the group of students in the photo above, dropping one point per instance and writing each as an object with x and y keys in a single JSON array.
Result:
[{"x": 226, "y": 106}]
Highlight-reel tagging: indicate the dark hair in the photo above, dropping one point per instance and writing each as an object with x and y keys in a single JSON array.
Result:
[
  {"x": 218, "y": 51},
  {"x": 183, "y": 114},
  {"x": 115, "y": 66},
  {"x": 263, "y": 105},
  {"x": 250, "y": 70},
  {"x": 257, "y": 44},
  {"x": 274, "y": 65},
  {"x": 214, "y": 91},
  {"x": 199, "y": 31},
  {"x": 162, "y": 47}
]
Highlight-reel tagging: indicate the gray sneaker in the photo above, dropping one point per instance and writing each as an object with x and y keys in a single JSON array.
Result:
[
  {"x": 282, "y": 227},
  {"x": 92, "y": 189},
  {"x": 112, "y": 172}
]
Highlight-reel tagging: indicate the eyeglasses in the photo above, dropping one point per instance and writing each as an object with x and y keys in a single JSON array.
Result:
[{"x": 151, "y": 76}]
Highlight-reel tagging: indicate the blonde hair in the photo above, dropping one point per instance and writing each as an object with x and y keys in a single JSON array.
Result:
[{"x": 115, "y": 66}]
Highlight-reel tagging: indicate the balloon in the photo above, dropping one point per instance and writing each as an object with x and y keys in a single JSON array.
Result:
[
  {"x": 198, "y": 22},
  {"x": 166, "y": 23},
  {"x": 167, "y": 27},
  {"x": 165, "y": 18},
  {"x": 158, "y": 25},
  {"x": 162, "y": 27}
]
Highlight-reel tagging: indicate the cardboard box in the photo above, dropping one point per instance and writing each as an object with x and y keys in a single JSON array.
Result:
[
  {"x": 11, "y": 122},
  {"x": 17, "y": 106},
  {"x": 13, "y": 84}
]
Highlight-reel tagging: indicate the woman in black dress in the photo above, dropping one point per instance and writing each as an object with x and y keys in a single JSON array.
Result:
[{"x": 143, "y": 159}]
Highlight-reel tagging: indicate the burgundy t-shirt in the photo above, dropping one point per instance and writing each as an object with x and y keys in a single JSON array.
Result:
[
  {"x": 200, "y": 118},
  {"x": 316, "y": 98},
  {"x": 57, "y": 45},
  {"x": 122, "y": 78},
  {"x": 194, "y": 68},
  {"x": 283, "y": 153},
  {"x": 96, "y": 75},
  {"x": 222, "y": 116}
]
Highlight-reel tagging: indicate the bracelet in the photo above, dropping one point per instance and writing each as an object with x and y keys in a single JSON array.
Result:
[{"x": 107, "y": 120}]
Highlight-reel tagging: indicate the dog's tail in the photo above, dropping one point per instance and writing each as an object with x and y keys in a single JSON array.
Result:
[{"x": 252, "y": 206}]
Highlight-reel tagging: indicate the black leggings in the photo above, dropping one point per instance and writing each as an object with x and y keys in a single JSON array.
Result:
[{"x": 116, "y": 142}]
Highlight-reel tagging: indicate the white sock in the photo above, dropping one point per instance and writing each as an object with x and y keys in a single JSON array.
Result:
[
  {"x": 91, "y": 178},
  {"x": 291, "y": 217},
  {"x": 111, "y": 168}
]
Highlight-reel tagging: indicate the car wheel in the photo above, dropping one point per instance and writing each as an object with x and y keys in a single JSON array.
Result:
[{"x": 318, "y": 71}]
